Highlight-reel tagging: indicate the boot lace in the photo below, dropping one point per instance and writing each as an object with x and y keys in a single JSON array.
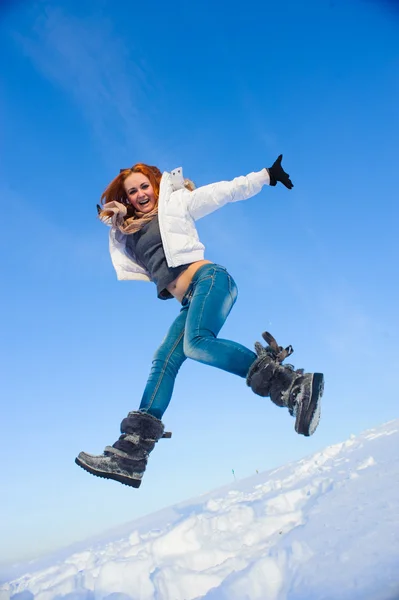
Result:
[{"x": 278, "y": 353}]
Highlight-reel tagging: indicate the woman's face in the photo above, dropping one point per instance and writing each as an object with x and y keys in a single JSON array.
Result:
[{"x": 139, "y": 192}]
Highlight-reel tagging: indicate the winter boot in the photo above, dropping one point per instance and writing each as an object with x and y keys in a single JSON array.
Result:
[
  {"x": 298, "y": 391},
  {"x": 126, "y": 460}
]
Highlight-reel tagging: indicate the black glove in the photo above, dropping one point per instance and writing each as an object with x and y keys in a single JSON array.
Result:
[{"x": 277, "y": 173}]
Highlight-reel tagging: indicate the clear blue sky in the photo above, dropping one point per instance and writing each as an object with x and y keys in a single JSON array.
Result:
[{"x": 90, "y": 87}]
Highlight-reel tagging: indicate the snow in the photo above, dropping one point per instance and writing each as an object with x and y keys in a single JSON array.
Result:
[{"x": 322, "y": 528}]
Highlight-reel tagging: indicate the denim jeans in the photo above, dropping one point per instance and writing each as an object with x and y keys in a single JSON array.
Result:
[{"x": 193, "y": 334}]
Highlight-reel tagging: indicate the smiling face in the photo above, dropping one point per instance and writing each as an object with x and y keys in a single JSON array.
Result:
[{"x": 140, "y": 193}]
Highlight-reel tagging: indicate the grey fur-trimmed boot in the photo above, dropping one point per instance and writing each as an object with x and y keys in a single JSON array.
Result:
[
  {"x": 298, "y": 391},
  {"x": 126, "y": 460}
]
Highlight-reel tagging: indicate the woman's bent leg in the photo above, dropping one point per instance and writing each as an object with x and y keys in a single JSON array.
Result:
[
  {"x": 214, "y": 293},
  {"x": 165, "y": 365}
]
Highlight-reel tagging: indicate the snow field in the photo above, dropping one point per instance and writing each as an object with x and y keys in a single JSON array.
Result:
[{"x": 324, "y": 527}]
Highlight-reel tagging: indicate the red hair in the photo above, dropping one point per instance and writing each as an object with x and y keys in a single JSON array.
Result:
[{"x": 115, "y": 191}]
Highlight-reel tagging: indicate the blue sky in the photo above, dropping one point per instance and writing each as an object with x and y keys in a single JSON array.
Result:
[{"x": 93, "y": 87}]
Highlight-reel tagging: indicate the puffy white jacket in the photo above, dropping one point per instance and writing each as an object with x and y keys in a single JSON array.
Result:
[{"x": 178, "y": 208}]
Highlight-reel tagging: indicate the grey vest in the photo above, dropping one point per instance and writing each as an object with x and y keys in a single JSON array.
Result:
[{"x": 145, "y": 246}]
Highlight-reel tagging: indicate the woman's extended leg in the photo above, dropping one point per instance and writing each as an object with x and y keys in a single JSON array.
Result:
[{"x": 126, "y": 459}]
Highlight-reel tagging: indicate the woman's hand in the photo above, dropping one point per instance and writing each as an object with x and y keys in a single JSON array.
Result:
[
  {"x": 277, "y": 173},
  {"x": 112, "y": 213}
]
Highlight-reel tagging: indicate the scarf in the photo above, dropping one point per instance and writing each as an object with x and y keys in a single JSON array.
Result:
[{"x": 114, "y": 213}]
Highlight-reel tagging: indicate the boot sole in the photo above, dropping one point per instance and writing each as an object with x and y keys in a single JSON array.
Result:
[
  {"x": 309, "y": 417},
  {"x": 115, "y": 476}
]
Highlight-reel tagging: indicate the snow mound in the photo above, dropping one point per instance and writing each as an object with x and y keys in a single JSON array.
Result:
[{"x": 322, "y": 528}]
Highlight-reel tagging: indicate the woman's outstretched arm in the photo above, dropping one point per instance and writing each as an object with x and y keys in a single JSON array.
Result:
[{"x": 208, "y": 198}]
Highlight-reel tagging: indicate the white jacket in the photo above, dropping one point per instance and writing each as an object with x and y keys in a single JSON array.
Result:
[{"x": 178, "y": 208}]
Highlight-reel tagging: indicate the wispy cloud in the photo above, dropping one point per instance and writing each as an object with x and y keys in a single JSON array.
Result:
[{"x": 91, "y": 63}]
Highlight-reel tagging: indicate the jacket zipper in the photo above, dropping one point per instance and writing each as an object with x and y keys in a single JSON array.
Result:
[{"x": 161, "y": 208}]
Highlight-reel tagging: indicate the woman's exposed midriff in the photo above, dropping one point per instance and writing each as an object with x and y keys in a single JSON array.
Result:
[{"x": 179, "y": 286}]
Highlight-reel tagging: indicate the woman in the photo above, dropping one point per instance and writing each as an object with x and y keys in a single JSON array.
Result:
[{"x": 153, "y": 238}]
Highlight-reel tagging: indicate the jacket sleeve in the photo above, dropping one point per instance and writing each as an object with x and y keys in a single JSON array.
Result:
[{"x": 208, "y": 198}]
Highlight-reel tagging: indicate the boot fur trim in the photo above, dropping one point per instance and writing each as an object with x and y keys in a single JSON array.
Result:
[
  {"x": 144, "y": 425},
  {"x": 260, "y": 375}
]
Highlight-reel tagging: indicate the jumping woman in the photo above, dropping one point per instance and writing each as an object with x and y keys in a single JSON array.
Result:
[{"x": 153, "y": 238}]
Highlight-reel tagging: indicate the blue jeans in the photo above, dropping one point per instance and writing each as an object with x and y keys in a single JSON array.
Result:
[{"x": 193, "y": 334}]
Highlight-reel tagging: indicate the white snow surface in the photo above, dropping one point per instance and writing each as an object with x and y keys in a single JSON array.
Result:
[{"x": 323, "y": 528}]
